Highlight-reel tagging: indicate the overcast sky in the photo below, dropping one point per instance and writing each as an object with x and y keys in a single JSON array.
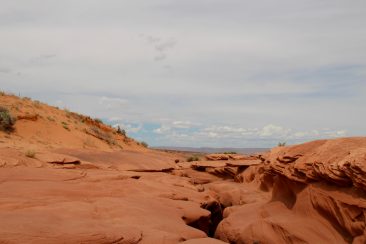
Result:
[{"x": 224, "y": 73}]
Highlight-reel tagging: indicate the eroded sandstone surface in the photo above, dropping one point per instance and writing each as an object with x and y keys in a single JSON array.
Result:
[
  {"x": 309, "y": 193},
  {"x": 317, "y": 195}
]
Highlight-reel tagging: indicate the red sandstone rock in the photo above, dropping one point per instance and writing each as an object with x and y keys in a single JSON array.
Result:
[
  {"x": 318, "y": 196},
  {"x": 217, "y": 156}
]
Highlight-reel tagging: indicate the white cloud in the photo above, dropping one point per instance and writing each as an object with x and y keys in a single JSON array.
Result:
[
  {"x": 273, "y": 130},
  {"x": 182, "y": 124},
  {"x": 169, "y": 126},
  {"x": 162, "y": 130},
  {"x": 339, "y": 133},
  {"x": 270, "y": 134}
]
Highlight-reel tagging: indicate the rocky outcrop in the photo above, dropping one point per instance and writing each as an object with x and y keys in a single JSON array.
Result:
[
  {"x": 228, "y": 156},
  {"x": 31, "y": 117},
  {"x": 124, "y": 160},
  {"x": 341, "y": 162},
  {"x": 217, "y": 156},
  {"x": 224, "y": 169},
  {"x": 317, "y": 196}
]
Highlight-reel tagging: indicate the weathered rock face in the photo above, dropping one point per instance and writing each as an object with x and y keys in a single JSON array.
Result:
[
  {"x": 318, "y": 196},
  {"x": 341, "y": 162}
]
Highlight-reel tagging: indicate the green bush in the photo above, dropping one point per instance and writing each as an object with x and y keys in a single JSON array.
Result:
[
  {"x": 6, "y": 120},
  {"x": 144, "y": 144},
  {"x": 99, "y": 121},
  {"x": 65, "y": 125},
  {"x": 193, "y": 158}
]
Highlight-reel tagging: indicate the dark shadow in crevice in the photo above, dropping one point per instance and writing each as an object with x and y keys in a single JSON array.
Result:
[{"x": 209, "y": 225}]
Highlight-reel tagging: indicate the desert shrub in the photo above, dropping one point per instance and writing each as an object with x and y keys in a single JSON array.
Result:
[
  {"x": 37, "y": 103},
  {"x": 30, "y": 154},
  {"x": 144, "y": 144},
  {"x": 281, "y": 144},
  {"x": 99, "y": 121},
  {"x": 6, "y": 120},
  {"x": 65, "y": 125},
  {"x": 121, "y": 131},
  {"x": 105, "y": 136},
  {"x": 193, "y": 158},
  {"x": 229, "y": 152}
]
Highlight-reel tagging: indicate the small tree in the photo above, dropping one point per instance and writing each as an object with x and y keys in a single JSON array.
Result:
[
  {"x": 6, "y": 120},
  {"x": 144, "y": 144}
]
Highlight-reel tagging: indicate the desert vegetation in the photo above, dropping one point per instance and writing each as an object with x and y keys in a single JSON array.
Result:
[
  {"x": 100, "y": 134},
  {"x": 7, "y": 121},
  {"x": 193, "y": 158},
  {"x": 121, "y": 131},
  {"x": 65, "y": 125},
  {"x": 144, "y": 144},
  {"x": 30, "y": 154},
  {"x": 50, "y": 118},
  {"x": 99, "y": 121}
]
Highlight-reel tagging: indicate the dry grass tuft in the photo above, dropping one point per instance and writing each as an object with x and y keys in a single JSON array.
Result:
[
  {"x": 30, "y": 154},
  {"x": 100, "y": 134}
]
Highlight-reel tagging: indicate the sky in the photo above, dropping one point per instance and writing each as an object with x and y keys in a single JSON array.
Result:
[{"x": 199, "y": 73}]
